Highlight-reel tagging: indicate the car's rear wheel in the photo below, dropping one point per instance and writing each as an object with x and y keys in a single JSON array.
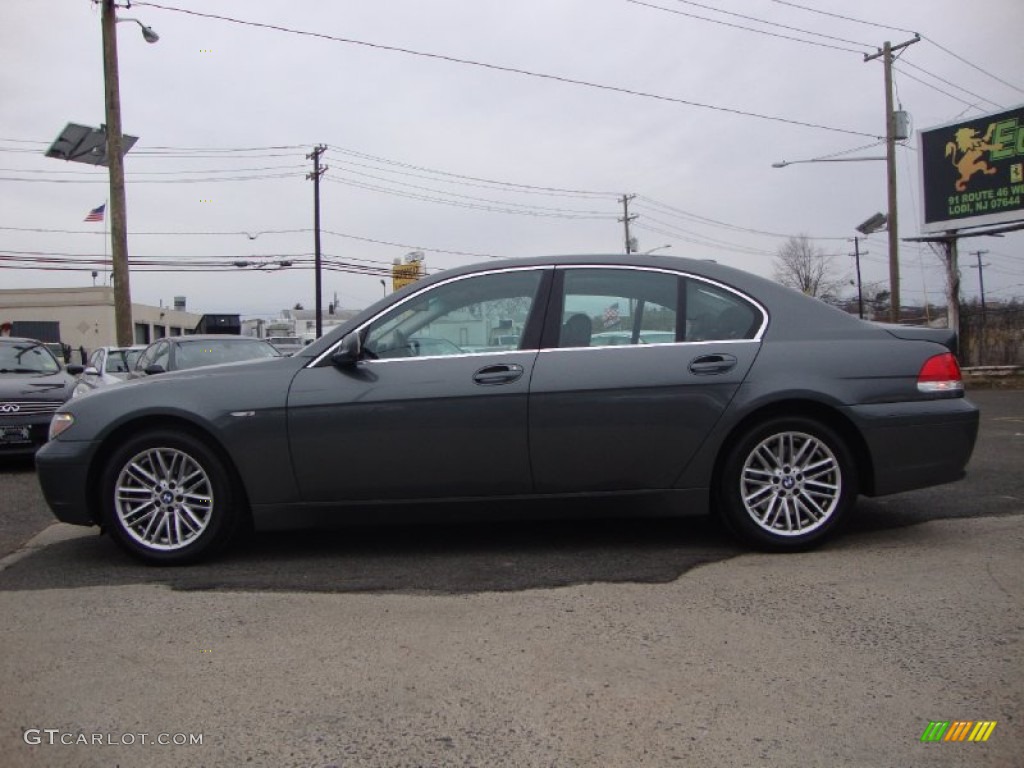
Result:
[
  {"x": 167, "y": 498},
  {"x": 787, "y": 483}
]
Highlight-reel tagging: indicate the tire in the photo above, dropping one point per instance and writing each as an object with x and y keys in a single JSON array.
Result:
[
  {"x": 168, "y": 499},
  {"x": 786, "y": 484}
]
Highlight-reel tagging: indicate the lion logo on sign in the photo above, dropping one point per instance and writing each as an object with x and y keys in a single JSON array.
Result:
[{"x": 970, "y": 149}]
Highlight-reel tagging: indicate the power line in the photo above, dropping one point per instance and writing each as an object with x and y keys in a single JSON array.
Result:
[
  {"x": 753, "y": 29},
  {"x": 947, "y": 82},
  {"x": 155, "y": 181},
  {"x": 942, "y": 48},
  {"x": 510, "y": 70},
  {"x": 478, "y": 199},
  {"x": 512, "y": 184},
  {"x": 496, "y": 208},
  {"x": 973, "y": 66},
  {"x": 844, "y": 18}
]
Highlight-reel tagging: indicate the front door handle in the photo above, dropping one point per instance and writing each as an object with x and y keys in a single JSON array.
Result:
[
  {"x": 498, "y": 374},
  {"x": 708, "y": 364}
]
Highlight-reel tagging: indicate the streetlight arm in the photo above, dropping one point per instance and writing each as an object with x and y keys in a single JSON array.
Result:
[{"x": 784, "y": 163}]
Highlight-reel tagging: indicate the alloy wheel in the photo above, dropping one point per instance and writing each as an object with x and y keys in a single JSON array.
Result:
[
  {"x": 163, "y": 498},
  {"x": 791, "y": 483}
]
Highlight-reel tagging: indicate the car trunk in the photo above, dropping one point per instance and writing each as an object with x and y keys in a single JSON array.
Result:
[{"x": 944, "y": 336}]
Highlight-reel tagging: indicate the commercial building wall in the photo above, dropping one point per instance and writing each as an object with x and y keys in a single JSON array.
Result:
[{"x": 86, "y": 315}]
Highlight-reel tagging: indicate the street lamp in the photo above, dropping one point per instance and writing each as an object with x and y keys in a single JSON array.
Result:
[
  {"x": 147, "y": 32},
  {"x": 894, "y": 268},
  {"x": 118, "y": 206},
  {"x": 660, "y": 247}
]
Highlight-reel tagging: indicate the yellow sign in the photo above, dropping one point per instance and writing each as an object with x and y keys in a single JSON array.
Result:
[{"x": 405, "y": 274}]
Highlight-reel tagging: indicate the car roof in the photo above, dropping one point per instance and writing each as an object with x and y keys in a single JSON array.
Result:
[{"x": 209, "y": 337}]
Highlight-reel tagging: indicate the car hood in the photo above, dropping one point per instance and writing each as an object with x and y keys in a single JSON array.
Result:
[{"x": 36, "y": 386}]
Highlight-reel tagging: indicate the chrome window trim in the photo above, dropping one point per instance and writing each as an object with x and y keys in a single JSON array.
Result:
[
  {"x": 359, "y": 329},
  {"x": 621, "y": 347},
  {"x": 677, "y": 273},
  {"x": 638, "y": 268}
]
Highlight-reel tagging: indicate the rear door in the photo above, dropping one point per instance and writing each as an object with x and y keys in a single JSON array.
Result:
[{"x": 636, "y": 367}]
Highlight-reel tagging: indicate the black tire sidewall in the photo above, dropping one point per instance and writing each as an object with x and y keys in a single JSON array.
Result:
[
  {"x": 222, "y": 517},
  {"x": 732, "y": 510}
]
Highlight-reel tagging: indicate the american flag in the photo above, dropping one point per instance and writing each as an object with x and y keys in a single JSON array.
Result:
[
  {"x": 611, "y": 315},
  {"x": 96, "y": 214}
]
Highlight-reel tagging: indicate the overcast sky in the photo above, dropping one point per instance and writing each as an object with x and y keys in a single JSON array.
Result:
[{"x": 468, "y": 162}]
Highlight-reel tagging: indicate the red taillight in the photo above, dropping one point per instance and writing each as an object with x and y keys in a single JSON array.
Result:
[{"x": 940, "y": 373}]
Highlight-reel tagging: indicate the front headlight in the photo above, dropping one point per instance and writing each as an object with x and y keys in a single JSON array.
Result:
[{"x": 60, "y": 424}]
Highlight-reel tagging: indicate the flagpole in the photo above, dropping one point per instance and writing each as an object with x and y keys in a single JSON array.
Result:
[{"x": 106, "y": 207}]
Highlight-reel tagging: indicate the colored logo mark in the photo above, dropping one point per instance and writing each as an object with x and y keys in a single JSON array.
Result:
[{"x": 958, "y": 730}]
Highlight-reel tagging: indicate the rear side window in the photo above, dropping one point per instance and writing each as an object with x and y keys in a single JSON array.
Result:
[
  {"x": 618, "y": 307},
  {"x": 715, "y": 314}
]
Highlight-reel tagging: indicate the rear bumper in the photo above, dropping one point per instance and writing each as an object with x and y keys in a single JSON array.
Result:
[
  {"x": 63, "y": 472},
  {"x": 916, "y": 444}
]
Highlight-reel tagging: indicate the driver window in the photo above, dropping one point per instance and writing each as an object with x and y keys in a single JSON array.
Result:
[{"x": 485, "y": 313}]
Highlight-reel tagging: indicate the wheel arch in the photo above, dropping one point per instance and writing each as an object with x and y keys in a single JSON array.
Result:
[
  {"x": 813, "y": 409},
  {"x": 135, "y": 427}
]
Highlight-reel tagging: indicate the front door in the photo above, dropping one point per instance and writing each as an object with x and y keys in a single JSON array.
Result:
[{"x": 439, "y": 407}]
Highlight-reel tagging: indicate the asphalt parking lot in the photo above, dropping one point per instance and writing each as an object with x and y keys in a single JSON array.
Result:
[{"x": 616, "y": 642}]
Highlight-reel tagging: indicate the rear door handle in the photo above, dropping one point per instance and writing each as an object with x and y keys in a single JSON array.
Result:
[
  {"x": 498, "y": 374},
  {"x": 709, "y": 364}
]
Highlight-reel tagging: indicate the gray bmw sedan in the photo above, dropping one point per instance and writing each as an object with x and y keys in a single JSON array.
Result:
[{"x": 724, "y": 391}]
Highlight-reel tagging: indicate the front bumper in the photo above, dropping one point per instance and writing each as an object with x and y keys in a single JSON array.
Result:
[
  {"x": 23, "y": 435},
  {"x": 916, "y": 444},
  {"x": 63, "y": 471}
]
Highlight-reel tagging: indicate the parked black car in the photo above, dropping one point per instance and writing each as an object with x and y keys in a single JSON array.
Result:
[
  {"x": 32, "y": 386},
  {"x": 773, "y": 409}
]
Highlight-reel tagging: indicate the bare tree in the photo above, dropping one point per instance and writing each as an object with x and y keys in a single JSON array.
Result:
[{"x": 810, "y": 270}]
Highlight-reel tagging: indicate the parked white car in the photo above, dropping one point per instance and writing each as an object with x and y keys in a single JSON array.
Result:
[{"x": 106, "y": 366}]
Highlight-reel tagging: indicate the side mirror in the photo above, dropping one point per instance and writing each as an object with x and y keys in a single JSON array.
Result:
[
  {"x": 154, "y": 369},
  {"x": 76, "y": 370},
  {"x": 349, "y": 352}
]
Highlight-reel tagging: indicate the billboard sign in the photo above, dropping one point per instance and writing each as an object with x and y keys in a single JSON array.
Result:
[
  {"x": 406, "y": 274},
  {"x": 972, "y": 172}
]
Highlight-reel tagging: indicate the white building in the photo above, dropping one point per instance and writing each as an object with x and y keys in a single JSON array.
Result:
[{"x": 86, "y": 315}]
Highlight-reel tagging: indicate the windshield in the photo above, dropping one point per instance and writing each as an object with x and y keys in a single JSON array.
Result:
[
  {"x": 122, "y": 360},
  {"x": 26, "y": 357},
  {"x": 196, "y": 354}
]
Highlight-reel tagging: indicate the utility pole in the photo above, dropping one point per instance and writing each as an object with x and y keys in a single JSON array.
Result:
[
  {"x": 890, "y": 167},
  {"x": 318, "y": 150},
  {"x": 626, "y": 218},
  {"x": 952, "y": 283},
  {"x": 860, "y": 293},
  {"x": 984, "y": 315},
  {"x": 115, "y": 159}
]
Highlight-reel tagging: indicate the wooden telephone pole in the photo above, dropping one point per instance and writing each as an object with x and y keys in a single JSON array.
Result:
[{"x": 890, "y": 167}]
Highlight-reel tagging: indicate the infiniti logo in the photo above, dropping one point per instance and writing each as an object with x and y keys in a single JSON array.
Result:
[{"x": 10, "y": 408}]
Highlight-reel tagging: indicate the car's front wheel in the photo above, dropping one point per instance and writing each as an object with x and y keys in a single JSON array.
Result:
[
  {"x": 787, "y": 483},
  {"x": 167, "y": 498}
]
